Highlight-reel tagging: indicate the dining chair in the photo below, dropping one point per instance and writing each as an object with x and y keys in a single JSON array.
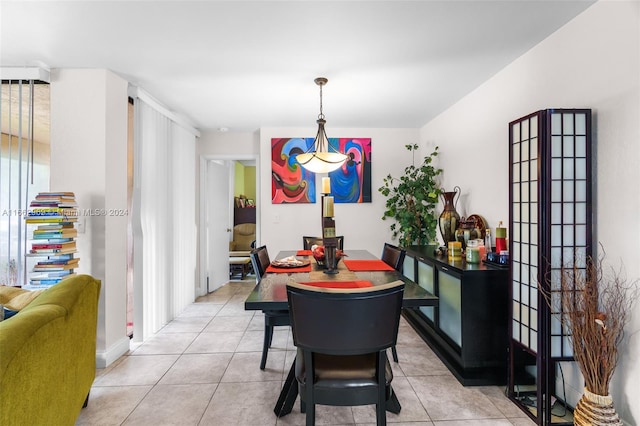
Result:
[
  {"x": 308, "y": 242},
  {"x": 260, "y": 260},
  {"x": 394, "y": 257},
  {"x": 341, "y": 337}
]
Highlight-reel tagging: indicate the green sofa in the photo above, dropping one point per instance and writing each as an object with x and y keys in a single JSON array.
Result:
[{"x": 48, "y": 354}]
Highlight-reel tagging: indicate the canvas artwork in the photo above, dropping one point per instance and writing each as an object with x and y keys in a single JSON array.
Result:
[
  {"x": 291, "y": 183},
  {"x": 351, "y": 183}
]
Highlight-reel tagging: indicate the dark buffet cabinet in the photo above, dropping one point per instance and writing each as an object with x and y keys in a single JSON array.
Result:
[{"x": 468, "y": 330}]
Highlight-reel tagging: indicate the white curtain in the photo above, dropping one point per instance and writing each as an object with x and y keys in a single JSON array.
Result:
[{"x": 164, "y": 218}]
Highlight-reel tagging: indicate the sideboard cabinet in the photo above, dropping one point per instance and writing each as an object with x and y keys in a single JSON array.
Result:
[{"x": 468, "y": 330}]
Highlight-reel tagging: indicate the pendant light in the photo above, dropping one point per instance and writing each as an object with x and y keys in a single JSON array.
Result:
[{"x": 322, "y": 157}]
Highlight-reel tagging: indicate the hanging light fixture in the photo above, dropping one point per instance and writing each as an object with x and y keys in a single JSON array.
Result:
[{"x": 322, "y": 157}]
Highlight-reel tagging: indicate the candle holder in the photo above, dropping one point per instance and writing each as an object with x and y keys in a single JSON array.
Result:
[{"x": 328, "y": 231}]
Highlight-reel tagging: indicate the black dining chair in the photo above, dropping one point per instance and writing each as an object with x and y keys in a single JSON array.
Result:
[
  {"x": 308, "y": 242},
  {"x": 342, "y": 336},
  {"x": 260, "y": 260},
  {"x": 394, "y": 257}
]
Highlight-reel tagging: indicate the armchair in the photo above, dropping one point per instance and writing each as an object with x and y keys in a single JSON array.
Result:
[{"x": 244, "y": 240}]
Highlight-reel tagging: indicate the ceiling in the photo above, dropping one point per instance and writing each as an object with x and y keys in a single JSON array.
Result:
[{"x": 242, "y": 65}]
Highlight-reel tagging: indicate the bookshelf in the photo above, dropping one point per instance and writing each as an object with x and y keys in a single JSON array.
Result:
[{"x": 52, "y": 217}]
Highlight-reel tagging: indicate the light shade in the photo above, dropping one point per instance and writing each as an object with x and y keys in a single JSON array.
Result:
[{"x": 322, "y": 157}]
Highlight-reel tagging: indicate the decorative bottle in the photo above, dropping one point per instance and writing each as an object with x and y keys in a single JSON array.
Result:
[
  {"x": 487, "y": 240},
  {"x": 449, "y": 218}
]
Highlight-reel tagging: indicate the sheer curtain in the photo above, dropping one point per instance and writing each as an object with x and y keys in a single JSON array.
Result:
[{"x": 164, "y": 216}]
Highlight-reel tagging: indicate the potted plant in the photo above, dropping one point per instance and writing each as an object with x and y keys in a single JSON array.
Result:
[
  {"x": 412, "y": 199},
  {"x": 596, "y": 305}
]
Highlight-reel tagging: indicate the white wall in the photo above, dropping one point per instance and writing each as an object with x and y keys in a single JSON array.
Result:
[
  {"x": 592, "y": 62},
  {"x": 88, "y": 157}
]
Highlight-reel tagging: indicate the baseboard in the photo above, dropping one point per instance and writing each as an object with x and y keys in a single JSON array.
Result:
[{"x": 106, "y": 358}]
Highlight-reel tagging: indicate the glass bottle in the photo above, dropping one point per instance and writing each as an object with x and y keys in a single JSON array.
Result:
[{"x": 487, "y": 240}]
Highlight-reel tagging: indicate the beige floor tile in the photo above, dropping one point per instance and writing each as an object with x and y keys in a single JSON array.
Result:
[
  {"x": 243, "y": 404},
  {"x": 325, "y": 415},
  {"x": 181, "y": 405},
  {"x": 445, "y": 398},
  {"x": 245, "y": 367},
  {"x": 165, "y": 343},
  {"x": 215, "y": 342},
  {"x": 522, "y": 421},
  {"x": 110, "y": 405},
  {"x": 420, "y": 361},
  {"x": 221, "y": 324},
  {"x": 197, "y": 368},
  {"x": 186, "y": 324},
  {"x": 202, "y": 310},
  {"x": 234, "y": 309},
  {"x": 257, "y": 322},
  {"x": 408, "y": 337},
  {"x": 482, "y": 422},
  {"x": 412, "y": 409},
  {"x": 497, "y": 396},
  {"x": 253, "y": 341},
  {"x": 138, "y": 370},
  {"x": 203, "y": 368}
]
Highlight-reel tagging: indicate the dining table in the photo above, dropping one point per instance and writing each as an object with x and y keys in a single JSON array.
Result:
[{"x": 355, "y": 268}]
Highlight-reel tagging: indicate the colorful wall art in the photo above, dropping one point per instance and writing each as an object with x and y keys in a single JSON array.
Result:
[
  {"x": 291, "y": 183},
  {"x": 351, "y": 183}
]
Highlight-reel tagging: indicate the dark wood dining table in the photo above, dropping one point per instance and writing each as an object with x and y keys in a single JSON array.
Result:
[{"x": 271, "y": 294}]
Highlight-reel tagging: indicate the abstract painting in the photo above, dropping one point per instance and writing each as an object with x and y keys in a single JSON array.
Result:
[
  {"x": 351, "y": 183},
  {"x": 291, "y": 183}
]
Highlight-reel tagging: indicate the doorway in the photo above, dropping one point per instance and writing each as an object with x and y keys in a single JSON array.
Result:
[{"x": 217, "y": 210}]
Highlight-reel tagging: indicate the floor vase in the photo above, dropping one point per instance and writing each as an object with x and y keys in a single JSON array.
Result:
[
  {"x": 449, "y": 218},
  {"x": 593, "y": 409}
]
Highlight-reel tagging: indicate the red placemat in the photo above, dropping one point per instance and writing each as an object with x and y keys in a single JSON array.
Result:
[
  {"x": 303, "y": 253},
  {"x": 367, "y": 265},
  {"x": 339, "y": 284},
  {"x": 271, "y": 268}
]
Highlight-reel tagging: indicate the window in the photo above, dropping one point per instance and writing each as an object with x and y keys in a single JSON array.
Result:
[{"x": 24, "y": 168}]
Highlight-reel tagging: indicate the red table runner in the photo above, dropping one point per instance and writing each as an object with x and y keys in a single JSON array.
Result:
[
  {"x": 366, "y": 265},
  {"x": 339, "y": 284},
  {"x": 271, "y": 268}
]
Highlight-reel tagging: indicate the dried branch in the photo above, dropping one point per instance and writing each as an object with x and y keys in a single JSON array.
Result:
[{"x": 595, "y": 308}]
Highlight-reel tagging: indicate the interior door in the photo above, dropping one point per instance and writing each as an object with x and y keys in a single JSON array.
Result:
[{"x": 218, "y": 223}]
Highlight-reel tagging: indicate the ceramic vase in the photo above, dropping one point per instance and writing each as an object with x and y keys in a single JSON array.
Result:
[
  {"x": 449, "y": 218},
  {"x": 594, "y": 409}
]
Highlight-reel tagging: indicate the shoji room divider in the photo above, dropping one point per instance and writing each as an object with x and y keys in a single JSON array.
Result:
[{"x": 550, "y": 227}]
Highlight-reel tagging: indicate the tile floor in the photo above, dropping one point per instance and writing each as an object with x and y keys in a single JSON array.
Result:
[{"x": 202, "y": 369}]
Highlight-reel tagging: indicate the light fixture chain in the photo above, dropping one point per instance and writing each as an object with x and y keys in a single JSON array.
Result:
[{"x": 321, "y": 115}]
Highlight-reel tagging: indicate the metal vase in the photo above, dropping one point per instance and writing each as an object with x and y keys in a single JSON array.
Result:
[{"x": 449, "y": 218}]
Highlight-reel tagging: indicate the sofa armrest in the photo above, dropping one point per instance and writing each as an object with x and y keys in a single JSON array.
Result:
[{"x": 48, "y": 354}]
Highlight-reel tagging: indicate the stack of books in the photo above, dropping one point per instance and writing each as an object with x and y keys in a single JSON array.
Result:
[
  {"x": 54, "y": 238},
  {"x": 53, "y": 207}
]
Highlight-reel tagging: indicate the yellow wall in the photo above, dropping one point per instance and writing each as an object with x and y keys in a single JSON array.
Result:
[
  {"x": 250, "y": 182},
  {"x": 245, "y": 181},
  {"x": 238, "y": 187}
]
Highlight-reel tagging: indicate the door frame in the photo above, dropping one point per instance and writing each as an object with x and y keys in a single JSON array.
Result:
[{"x": 201, "y": 285}]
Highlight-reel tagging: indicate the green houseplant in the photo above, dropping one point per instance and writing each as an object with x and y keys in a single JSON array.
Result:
[{"x": 412, "y": 199}]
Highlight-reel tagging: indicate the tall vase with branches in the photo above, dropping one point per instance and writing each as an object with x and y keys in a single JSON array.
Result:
[
  {"x": 596, "y": 304},
  {"x": 412, "y": 199}
]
